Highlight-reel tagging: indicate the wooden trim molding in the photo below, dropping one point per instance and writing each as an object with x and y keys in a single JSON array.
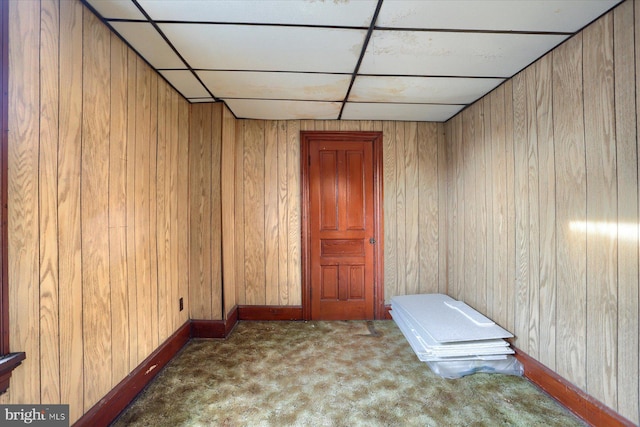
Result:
[
  {"x": 378, "y": 250},
  {"x": 109, "y": 407},
  {"x": 269, "y": 312},
  {"x": 215, "y": 328},
  {"x": 387, "y": 315},
  {"x": 577, "y": 401}
]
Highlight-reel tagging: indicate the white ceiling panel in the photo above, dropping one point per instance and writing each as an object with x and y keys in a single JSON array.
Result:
[
  {"x": 401, "y": 112},
  {"x": 116, "y": 9},
  {"x": 283, "y": 110},
  {"x": 453, "y": 54},
  {"x": 435, "y": 90},
  {"x": 299, "y": 59},
  {"x": 306, "y": 12},
  {"x": 500, "y": 15},
  {"x": 146, "y": 40},
  {"x": 185, "y": 83},
  {"x": 267, "y": 48},
  {"x": 299, "y": 86}
]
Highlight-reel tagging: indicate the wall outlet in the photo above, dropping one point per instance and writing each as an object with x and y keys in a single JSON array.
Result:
[{"x": 181, "y": 304}]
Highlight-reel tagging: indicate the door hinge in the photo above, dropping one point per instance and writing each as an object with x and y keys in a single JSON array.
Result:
[{"x": 372, "y": 241}]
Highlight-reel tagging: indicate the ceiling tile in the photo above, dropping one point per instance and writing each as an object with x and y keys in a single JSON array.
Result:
[
  {"x": 283, "y": 110},
  {"x": 146, "y": 40},
  {"x": 305, "y": 12},
  {"x": 401, "y": 112},
  {"x": 435, "y": 90},
  {"x": 303, "y": 86},
  {"x": 185, "y": 83},
  {"x": 453, "y": 54},
  {"x": 116, "y": 9},
  {"x": 267, "y": 48},
  {"x": 499, "y": 15}
]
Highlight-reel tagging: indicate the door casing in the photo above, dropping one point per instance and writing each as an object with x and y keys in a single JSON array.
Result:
[{"x": 378, "y": 251}]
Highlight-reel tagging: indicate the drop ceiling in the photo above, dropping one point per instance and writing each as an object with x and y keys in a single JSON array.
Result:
[{"x": 418, "y": 60}]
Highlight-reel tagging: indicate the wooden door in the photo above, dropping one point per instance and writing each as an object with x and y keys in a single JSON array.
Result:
[{"x": 342, "y": 235}]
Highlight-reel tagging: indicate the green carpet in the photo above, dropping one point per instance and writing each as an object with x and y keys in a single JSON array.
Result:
[{"x": 329, "y": 374}]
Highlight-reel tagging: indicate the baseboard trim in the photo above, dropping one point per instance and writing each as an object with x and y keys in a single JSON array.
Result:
[
  {"x": 269, "y": 312},
  {"x": 387, "y": 309},
  {"x": 110, "y": 406},
  {"x": 577, "y": 401}
]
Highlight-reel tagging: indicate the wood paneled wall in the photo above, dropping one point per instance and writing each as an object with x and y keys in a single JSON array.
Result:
[
  {"x": 98, "y": 226},
  {"x": 267, "y": 209},
  {"x": 212, "y": 154},
  {"x": 543, "y": 208}
]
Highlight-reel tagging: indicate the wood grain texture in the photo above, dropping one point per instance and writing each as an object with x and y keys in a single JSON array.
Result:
[
  {"x": 239, "y": 213},
  {"x": 480, "y": 199},
  {"x": 389, "y": 205},
  {"x": 428, "y": 209},
  {"x": 469, "y": 217},
  {"x": 489, "y": 203},
  {"x": 227, "y": 194},
  {"x": 283, "y": 213},
  {"x": 69, "y": 237},
  {"x": 23, "y": 155},
  {"x": 547, "y": 199},
  {"x": 96, "y": 292},
  {"x": 511, "y": 208},
  {"x": 184, "y": 246},
  {"x": 442, "y": 211},
  {"x": 271, "y": 218},
  {"x": 401, "y": 208},
  {"x": 534, "y": 215},
  {"x": 294, "y": 274},
  {"x": 412, "y": 208},
  {"x": 602, "y": 207},
  {"x": 118, "y": 267},
  {"x": 85, "y": 122},
  {"x": 520, "y": 143},
  {"x": 215, "y": 213},
  {"x": 626, "y": 19},
  {"x": 254, "y": 234},
  {"x": 163, "y": 226},
  {"x": 48, "y": 206}
]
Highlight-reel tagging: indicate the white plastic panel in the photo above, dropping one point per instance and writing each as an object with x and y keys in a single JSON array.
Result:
[
  {"x": 299, "y": 86},
  {"x": 146, "y": 40},
  {"x": 499, "y": 15},
  {"x": 437, "y": 90},
  {"x": 453, "y": 54},
  {"x": 443, "y": 323},
  {"x": 266, "y": 48},
  {"x": 117, "y": 9},
  {"x": 185, "y": 83},
  {"x": 283, "y": 110},
  {"x": 303, "y": 12},
  {"x": 399, "y": 112}
]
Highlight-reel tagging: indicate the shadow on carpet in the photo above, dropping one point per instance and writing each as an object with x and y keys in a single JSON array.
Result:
[{"x": 346, "y": 373}]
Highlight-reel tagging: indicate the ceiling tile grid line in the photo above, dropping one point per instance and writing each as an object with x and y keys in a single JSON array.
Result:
[{"x": 354, "y": 60}]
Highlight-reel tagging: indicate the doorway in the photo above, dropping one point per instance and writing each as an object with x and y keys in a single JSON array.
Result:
[{"x": 342, "y": 239}]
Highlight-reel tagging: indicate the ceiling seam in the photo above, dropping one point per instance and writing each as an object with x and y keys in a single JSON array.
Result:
[
  {"x": 166, "y": 39},
  {"x": 362, "y": 52}
]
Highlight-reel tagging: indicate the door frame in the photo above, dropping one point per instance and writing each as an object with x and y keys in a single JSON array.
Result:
[{"x": 378, "y": 250}]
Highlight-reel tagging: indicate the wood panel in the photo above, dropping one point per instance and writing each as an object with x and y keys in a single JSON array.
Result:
[
  {"x": 227, "y": 194},
  {"x": 565, "y": 195},
  {"x": 69, "y": 236},
  {"x": 568, "y": 126},
  {"x": 602, "y": 208},
  {"x": 48, "y": 206},
  {"x": 96, "y": 293},
  {"x": 216, "y": 212},
  {"x": 412, "y": 193},
  {"x": 627, "y": 166},
  {"x": 23, "y": 224},
  {"x": 85, "y": 122},
  {"x": 469, "y": 150}
]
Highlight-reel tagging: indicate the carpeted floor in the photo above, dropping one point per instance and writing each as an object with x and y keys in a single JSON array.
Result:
[{"x": 329, "y": 374}]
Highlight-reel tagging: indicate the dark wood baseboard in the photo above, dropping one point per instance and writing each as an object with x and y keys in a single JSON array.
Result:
[
  {"x": 577, "y": 401},
  {"x": 269, "y": 312},
  {"x": 109, "y": 407},
  {"x": 387, "y": 315},
  {"x": 215, "y": 328}
]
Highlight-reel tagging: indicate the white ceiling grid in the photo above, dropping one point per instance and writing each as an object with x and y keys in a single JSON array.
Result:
[{"x": 418, "y": 60}]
